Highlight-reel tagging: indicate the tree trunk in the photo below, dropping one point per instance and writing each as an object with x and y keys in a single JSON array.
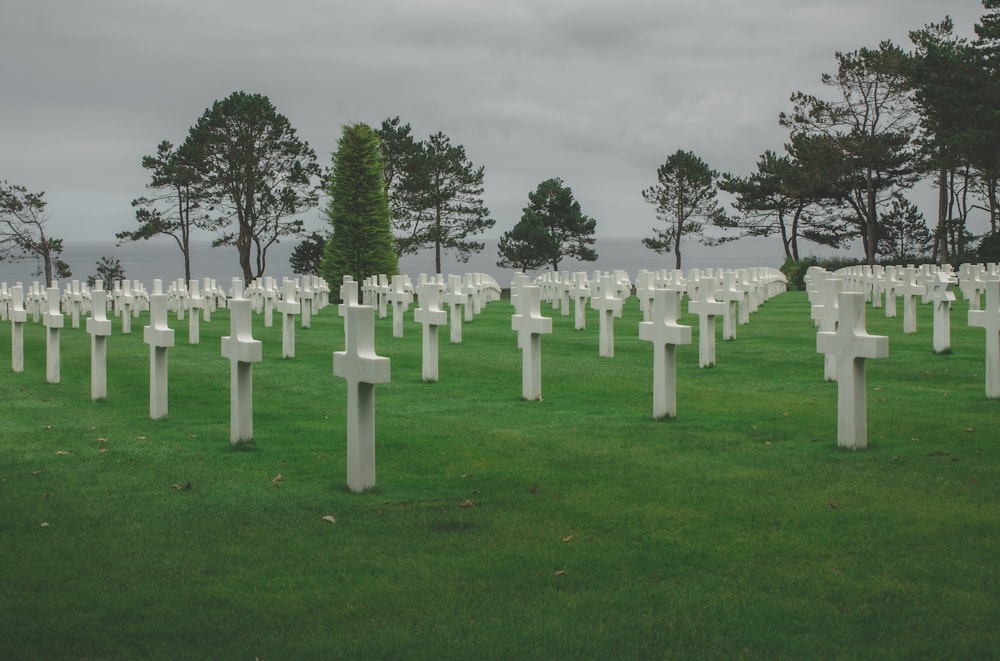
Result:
[{"x": 941, "y": 235}]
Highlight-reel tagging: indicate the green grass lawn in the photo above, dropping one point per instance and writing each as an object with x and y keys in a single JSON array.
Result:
[{"x": 574, "y": 527}]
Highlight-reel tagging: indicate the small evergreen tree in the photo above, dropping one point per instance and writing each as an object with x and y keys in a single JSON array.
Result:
[
  {"x": 361, "y": 243},
  {"x": 109, "y": 270}
]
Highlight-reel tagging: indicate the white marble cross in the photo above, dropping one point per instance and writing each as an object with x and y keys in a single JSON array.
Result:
[
  {"x": 400, "y": 299},
  {"x": 99, "y": 327},
  {"x": 363, "y": 370},
  {"x": 940, "y": 292},
  {"x": 430, "y": 315},
  {"x": 909, "y": 289},
  {"x": 194, "y": 303},
  {"x": 665, "y": 333},
  {"x": 18, "y": 317},
  {"x": 608, "y": 306},
  {"x": 159, "y": 338},
  {"x": 988, "y": 318},
  {"x": 242, "y": 351},
  {"x": 851, "y": 345},
  {"x": 348, "y": 297},
  {"x": 824, "y": 313},
  {"x": 530, "y": 326},
  {"x": 733, "y": 298},
  {"x": 53, "y": 321},
  {"x": 707, "y": 309},
  {"x": 580, "y": 293},
  {"x": 126, "y": 304},
  {"x": 455, "y": 298},
  {"x": 288, "y": 307}
]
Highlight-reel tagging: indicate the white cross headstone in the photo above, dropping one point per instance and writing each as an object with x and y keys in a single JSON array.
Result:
[
  {"x": 195, "y": 303},
  {"x": 430, "y": 315},
  {"x": 530, "y": 326},
  {"x": 580, "y": 293},
  {"x": 940, "y": 292},
  {"x": 126, "y": 305},
  {"x": 99, "y": 327},
  {"x": 159, "y": 338},
  {"x": 348, "y": 297},
  {"x": 18, "y": 317},
  {"x": 665, "y": 333},
  {"x": 733, "y": 298},
  {"x": 53, "y": 321},
  {"x": 851, "y": 344},
  {"x": 609, "y": 306},
  {"x": 363, "y": 370},
  {"x": 288, "y": 307},
  {"x": 909, "y": 289},
  {"x": 242, "y": 351},
  {"x": 399, "y": 299},
  {"x": 707, "y": 309},
  {"x": 988, "y": 318},
  {"x": 455, "y": 298},
  {"x": 825, "y": 314},
  {"x": 306, "y": 298}
]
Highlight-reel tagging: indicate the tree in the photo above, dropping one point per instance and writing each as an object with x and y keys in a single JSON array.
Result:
[
  {"x": 361, "y": 243},
  {"x": 782, "y": 197},
  {"x": 445, "y": 207},
  {"x": 527, "y": 246},
  {"x": 174, "y": 209},
  {"x": 252, "y": 169},
  {"x": 400, "y": 152},
  {"x": 685, "y": 197},
  {"x": 308, "y": 254},
  {"x": 109, "y": 270},
  {"x": 871, "y": 124},
  {"x": 22, "y": 232},
  {"x": 904, "y": 232},
  {"x": 567, "y": 231}
]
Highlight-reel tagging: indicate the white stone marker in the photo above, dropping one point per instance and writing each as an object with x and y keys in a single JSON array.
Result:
[
  {"x": 825, "y": 314},
  {"x": 363, "y": 370},
  {"x": 851, "y": 344},
  {"x": 707, "y": 309},
  {"x": 580, "y": 293},
  {"x": 455, "y": 298},
  {"x": 348, "y": 297},
  {"x": 732, "y": 297},
  {"x": 242, "y": 351},
  {"x": 53, "y": 321},
  {"x": 530, "y": 326},
  {"x": 159, "y": 338},
  {"x": 18, "y": 317},
  {"x": 430, "y": 315},
  {"x": 99, "y": 327},
  {"x": 988, "y": 318},
  {"x": 665, "y": 333},
  {"x": 195, "y": 303},
  {"x": 306, "y": 296},
  {"x": 609, "y": 306},
  {"x": 126, "y": 303},
  {"x": 288, "y": 307},
  {"x": 909, "y": 289},
  {"x": 400, "y": 299},
  {"x": 940, "y": 292}
]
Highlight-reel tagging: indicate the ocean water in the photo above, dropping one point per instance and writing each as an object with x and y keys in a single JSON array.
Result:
[{"x": 161, "y": 259}]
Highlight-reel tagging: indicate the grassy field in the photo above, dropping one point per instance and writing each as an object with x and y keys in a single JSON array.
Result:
[{"x": 574, "y": 527}]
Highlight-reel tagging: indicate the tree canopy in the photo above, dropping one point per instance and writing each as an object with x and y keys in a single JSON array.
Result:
[
  {"x": 23, "y": 235},
  {"x": 685, "y": 198},
  {"x": 552, "y": 227},
  {"x": 361, "y": 242},
  {"x": 252, "y": 169}
]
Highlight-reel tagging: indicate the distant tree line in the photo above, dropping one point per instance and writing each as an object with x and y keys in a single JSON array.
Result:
[{"x": 891, "y": 119}]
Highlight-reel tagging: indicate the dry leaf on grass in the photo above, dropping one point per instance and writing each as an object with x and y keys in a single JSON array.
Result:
[
  {"x": 63, "y": 452},
  {"x": 466, "y": 503},
  {"x": 140, "y": 438},
  {"x": 45, "y": 524},
  {"x": 568, "y": 538},
  {"x": 330, "y": 518},
  {"x": 560, "y": 572},
  {"x": 277, "y": 478},
  {"x": 177, "y": 487}
]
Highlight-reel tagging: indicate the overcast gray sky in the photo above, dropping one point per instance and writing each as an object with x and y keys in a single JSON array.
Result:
[{"x": 597, "y": 92}]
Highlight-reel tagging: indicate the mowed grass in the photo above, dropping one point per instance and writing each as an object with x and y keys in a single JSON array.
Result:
[{"x": 574, "y": 527}]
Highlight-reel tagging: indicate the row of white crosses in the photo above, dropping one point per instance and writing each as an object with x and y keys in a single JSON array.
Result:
[{"x": 933, "y": 285}]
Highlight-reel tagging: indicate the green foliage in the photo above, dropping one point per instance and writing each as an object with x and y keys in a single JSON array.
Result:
[
  {"x": 435, "y": 193},
  {"x": 795, "y": 272},
  {"x": 988, "y": 250},
  {"x": 252, "y": 169},
  {"x": 22, "y": 232},
  {"x": 867, "y": 129},
  {"x": 308, "y": 254},
  {"x": 552, "y": 226},
  {"x": 361, "y": 242},
  {"x": 905, "y": 236},
  {"x": 685, "y": 197},
  {"x": 109, "y": 270},
  {"x": 173, "y": 208}
]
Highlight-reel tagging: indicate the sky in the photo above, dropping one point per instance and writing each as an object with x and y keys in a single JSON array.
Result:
[{"x": 596, "y": 92}]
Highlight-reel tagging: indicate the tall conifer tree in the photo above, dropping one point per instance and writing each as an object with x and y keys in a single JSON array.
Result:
[{"x": 361, "y": 243}]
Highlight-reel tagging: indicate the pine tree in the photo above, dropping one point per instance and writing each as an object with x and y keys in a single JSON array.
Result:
[{"x": 361, "y": 243}]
